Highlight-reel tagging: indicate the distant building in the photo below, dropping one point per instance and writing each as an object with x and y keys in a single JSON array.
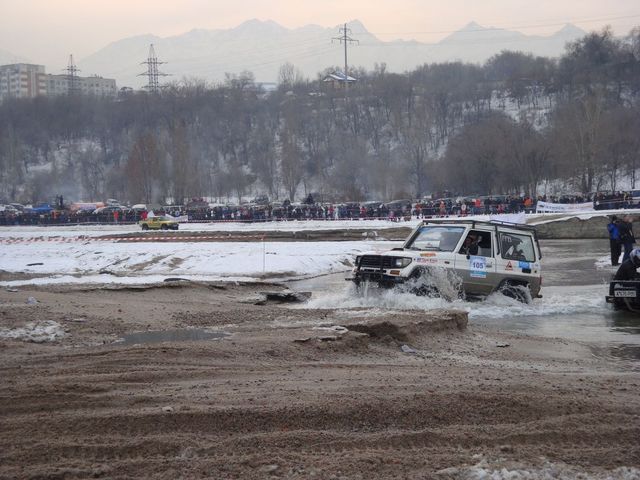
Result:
[
  {"x": 339, "y": 79},
  {"x": 96, "y": 86},
  {"x": 22, "y": 80}
]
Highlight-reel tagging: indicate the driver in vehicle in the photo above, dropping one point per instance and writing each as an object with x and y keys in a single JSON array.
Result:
[{"x": 470, "y": 245}]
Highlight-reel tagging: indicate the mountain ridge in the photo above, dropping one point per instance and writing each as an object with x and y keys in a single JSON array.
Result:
[{"x": 262, "y": 46}]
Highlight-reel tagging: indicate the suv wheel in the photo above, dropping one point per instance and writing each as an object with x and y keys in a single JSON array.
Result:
[
  {"x": 145, "y": 226},
  {"x": 427, "y": 282},
  {"x": 163, "y": 227},
  {"x": 516, "y": 290}
]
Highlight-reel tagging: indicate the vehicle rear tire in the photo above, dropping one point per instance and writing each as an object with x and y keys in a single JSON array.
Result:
[
  {"x": 163, "y": 227},
  {"x": 145, "y": 226}
]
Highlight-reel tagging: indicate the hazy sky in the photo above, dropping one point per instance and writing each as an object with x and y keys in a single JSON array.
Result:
[{"x": 47, "y": 31}]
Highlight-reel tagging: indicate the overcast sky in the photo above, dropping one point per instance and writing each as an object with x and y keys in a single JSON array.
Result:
[{"x": 47, "y": 31}]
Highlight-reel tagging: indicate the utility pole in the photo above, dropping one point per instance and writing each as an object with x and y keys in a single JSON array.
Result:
[
  {"x": 72, "y": 77},
  {"x": 345, "y": 39},
  {"x": 152, "y": 72}
]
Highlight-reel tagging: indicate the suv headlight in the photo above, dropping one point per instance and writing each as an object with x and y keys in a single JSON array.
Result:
[
  {"x": 358, "y": 260},
  {"x": 402, "y": 262}
]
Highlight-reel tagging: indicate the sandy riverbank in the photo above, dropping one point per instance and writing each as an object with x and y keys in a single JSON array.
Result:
[{"x": 278, "y": 398}]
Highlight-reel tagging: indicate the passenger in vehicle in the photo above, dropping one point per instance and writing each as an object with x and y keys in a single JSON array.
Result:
[
  {"x": 628, "y": 269},
  {"x": 510, "y": 250}
]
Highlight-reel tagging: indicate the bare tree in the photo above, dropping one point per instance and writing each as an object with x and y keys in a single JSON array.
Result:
[
  {"x": 578, "y": 132},
  {"x": 291, "y": 168},
  {"x": 141, "y": 168},
  {"x": 91, "y": 163},
  {"x": 289, "y": 76}
]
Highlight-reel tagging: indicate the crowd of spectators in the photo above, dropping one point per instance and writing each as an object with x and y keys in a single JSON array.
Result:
[
  {"x": 614, "y": 200},
  {"x": 199, "y": 210}
]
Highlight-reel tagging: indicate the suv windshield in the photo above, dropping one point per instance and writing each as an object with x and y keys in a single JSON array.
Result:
[{"x": 438, "y": 238}]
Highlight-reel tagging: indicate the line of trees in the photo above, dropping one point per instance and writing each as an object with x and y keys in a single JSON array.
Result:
[{"x": 502, "y": 127}]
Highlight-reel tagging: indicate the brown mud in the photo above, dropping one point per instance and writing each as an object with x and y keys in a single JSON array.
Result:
[{"x": 402, "y": 395}]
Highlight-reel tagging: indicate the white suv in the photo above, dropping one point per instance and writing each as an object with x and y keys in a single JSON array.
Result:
[{"x": 477, "y": 257}]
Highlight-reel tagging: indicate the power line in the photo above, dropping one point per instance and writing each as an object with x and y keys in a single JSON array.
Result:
[
  {"x": 290, "y": 48},
  {"x": 249, "y": 66}
]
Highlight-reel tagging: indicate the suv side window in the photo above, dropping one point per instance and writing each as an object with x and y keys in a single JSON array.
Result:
[
  {"x": 485, "y": 244},
  {"x": 477, "y": 242},
  {"x": 514, "y": 246}
]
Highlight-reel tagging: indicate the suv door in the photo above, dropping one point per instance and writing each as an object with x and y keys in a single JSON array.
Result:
[
  {"x": 478, "y": 272},
  {"x": 518, "y": 258}
]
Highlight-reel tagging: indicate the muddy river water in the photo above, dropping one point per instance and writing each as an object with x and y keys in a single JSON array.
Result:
[{"x": 576, "y": 274}]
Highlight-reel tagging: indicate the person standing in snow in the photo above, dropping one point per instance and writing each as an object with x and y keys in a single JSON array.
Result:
[{"x": 614, "y": 240}]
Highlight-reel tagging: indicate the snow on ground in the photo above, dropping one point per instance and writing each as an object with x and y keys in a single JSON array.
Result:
[
  {"x": 540, "y": 218},
  {"x": 111, "y": 262},
  {"x": 74, "y": 230},
  {"x": 604, "y": 263},
  {"x": 500, "y": 469},
  {"x": 38, "y": 332}
]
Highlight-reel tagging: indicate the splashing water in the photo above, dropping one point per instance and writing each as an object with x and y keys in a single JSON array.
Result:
[
  {"x": 435, "y": 282},
  {"x": 556, "y": 301}
]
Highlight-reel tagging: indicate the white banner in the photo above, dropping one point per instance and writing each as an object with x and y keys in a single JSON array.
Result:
[
  {"x": 546, "y": 207},
  {"x": 510, "y": 217}
]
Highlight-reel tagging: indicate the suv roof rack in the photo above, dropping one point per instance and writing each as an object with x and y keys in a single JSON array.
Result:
[{"x": 522, "y": 226}]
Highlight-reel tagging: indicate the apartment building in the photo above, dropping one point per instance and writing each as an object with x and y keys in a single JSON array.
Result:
[
  {"x": 22, "y": 80},
  {"x": 96, "y": 86}
]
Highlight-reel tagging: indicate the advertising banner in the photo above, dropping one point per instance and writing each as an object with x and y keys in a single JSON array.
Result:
[{"x": 546, "y": 207}]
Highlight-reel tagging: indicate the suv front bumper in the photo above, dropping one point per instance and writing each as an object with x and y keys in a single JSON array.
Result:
[{"x": 382, "y": 279}]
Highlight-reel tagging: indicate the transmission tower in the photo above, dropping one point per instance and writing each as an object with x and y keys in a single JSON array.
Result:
[
  {"x": 152, "y": 72},
  {"x": 72, "y": 77},
  {"x": 345, "y": 39}
]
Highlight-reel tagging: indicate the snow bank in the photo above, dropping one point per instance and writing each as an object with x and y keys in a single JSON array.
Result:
[
  {"x": 34, "y": 231},
  {"x": 38, "y": 332},
  {"x": 507, "y": 470},
  {"x": 542, "y": 218},
  {"x": 110, "y": 262}
]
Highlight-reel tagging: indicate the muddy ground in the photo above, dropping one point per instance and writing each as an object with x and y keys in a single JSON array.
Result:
[{"x": 402, "y": 395}]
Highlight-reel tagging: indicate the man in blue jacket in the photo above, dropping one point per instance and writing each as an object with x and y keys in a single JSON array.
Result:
[{"x": 614, "y": 240}]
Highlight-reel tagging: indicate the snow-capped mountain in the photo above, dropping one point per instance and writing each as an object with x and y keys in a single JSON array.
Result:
[{"x": 263, "y": 46}]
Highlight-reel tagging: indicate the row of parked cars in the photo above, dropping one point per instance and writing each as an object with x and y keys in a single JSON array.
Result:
[{"x": 19, "y": 209}]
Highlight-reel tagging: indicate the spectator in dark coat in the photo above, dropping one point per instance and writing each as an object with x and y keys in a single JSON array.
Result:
[{"x": 614, "y": 240}]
